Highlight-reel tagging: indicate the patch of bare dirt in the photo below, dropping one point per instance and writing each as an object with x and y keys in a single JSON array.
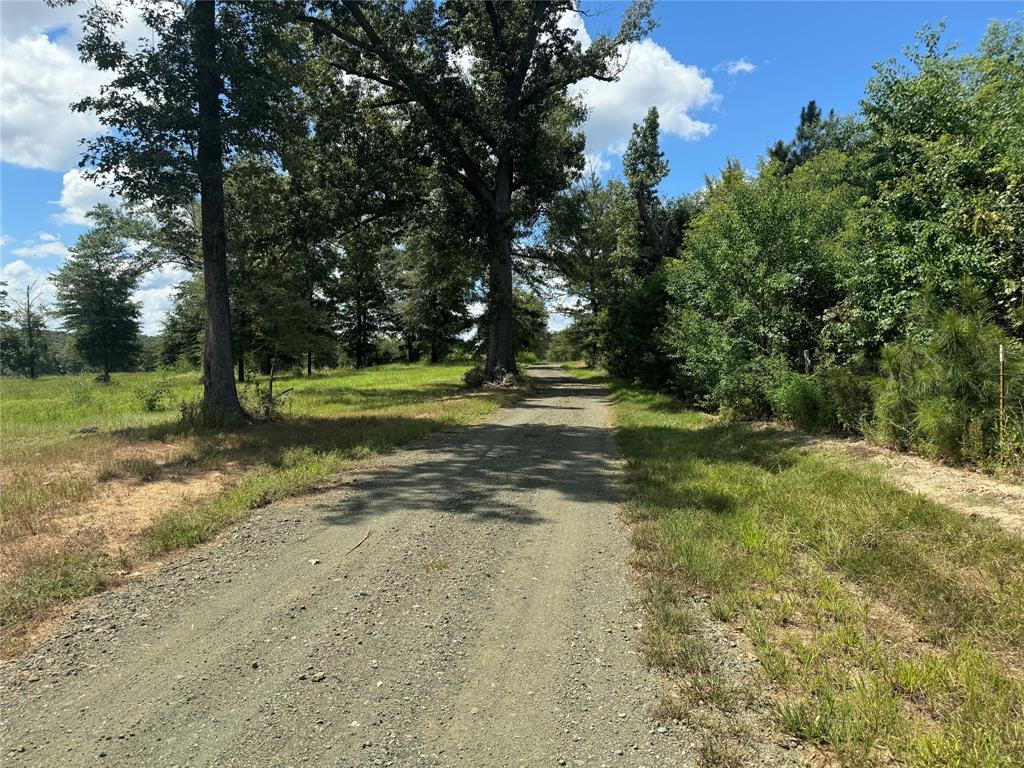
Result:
[
  {"x": 118, "y": 512},
  {"x": 968, "y": 492}
]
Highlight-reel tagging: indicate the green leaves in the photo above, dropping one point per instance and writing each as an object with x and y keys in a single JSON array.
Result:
[{"x": 94, "y": 295}]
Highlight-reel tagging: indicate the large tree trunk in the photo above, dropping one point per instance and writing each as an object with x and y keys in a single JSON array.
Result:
[
  {"x": 501, "y": 353},
  {"x": 241, "y": 367},
  {"x": 220, "y": 398}
]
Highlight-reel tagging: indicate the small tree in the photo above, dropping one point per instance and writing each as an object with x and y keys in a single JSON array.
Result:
[
  {"x": 94, "y": 296},
  {"x": 24, "y": 343},
  {"x": 365, "y": 306},
  {"x": 436, "y": 288}
]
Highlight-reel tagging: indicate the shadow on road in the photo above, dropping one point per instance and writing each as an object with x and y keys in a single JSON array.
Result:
[{"x": 493, "y": 472}]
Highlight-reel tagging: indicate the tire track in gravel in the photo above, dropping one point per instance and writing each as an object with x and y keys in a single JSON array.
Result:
[{"x": 486, "y": 621}]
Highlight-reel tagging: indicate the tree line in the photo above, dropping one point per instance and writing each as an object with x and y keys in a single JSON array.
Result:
[
  {"x": 862, "y": 279},
  {"x": 336, "y": 172},
  {"x": 286, "y": 138}
]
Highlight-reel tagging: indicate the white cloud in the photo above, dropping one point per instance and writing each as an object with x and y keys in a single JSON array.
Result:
[
  {"x": 558, "y": 322},
  {"x": 32, "y": 17},
  {"x": 574, "y": 21},
  {"x": 156, "y": 294},
  {"x": 41, "y": 74},
  {"x": 651, "y": 77},
  {"x": 19, "y": 274},
  {"x": 595, "y": 162},
  {"x": 739, "y": 66},
  {"x": 44, "y": 247},
  {"x": 38, "y": 80},
  {"x": 78, "y": 196}
]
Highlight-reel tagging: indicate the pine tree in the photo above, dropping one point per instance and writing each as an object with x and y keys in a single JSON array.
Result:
[
  {"x": 365, "y": 304},
  {"x": 94, "y": 297}
]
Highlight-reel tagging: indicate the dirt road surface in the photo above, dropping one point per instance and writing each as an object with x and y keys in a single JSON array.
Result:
[{"x": 467, "y": 604}]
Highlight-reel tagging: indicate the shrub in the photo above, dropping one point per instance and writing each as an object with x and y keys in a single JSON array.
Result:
[
  {"x": 190, "y": 413},
  {"x": 80, "y": 393},
  {"x": 940, "y": 394},
  {"x": 800, "y": 399},
  {"x": 260, "y": 403},
  {"x": 849, "y": 398},
  {"x": 742, "y": 392},
  {"x": 153, "y": 395},
  {"x": 475, "y": 377}
]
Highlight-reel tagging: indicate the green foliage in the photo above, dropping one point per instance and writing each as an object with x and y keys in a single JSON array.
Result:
[
  {"x": 154, "y": 393},
  {"x": 475, "y": 377},
  {"x": 23, "y": 337},
  {"x": 756, "y": 277},
  {"x": 940, "y": 393},
  {"x": 828, "y": 249},
  {"x": 945, "y": 178},
  {"x": 611, "y": 243},
  {"x": 183, "y": 330},
  {"x": 435, "y": 288},
  {"x": 94, "y": 295},
  {"x": 260, "y": 403},
  {"x": 365, "y": 305},
  {"x": 564, "y": 347},
  {"x": 800, "y": 400},
  {"x": 496, "y": 119},
  {"x": 831, "y": 400},
  {"x": 814, "y": 135},
  {"x": 744, "y": 391},
  {"x": 529, "y": 328},
  {"x": 849, "y": 396},
  {"x": 581, "y": 238},
  {"x": 632, "y": 327}
]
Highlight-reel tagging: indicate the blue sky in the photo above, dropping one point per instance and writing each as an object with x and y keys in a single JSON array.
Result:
[
  {"x": 729, "y": 78},
  {"x": 801, "y": 51}
]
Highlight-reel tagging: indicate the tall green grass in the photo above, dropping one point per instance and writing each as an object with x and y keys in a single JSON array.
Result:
[{"x": 890, "y": 626}]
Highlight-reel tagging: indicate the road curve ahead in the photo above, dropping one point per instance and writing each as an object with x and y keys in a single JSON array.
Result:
[{"x": 465, "y": 604}]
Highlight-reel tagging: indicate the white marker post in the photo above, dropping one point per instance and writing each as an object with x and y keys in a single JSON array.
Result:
[{"x": 1002, "y": 396}]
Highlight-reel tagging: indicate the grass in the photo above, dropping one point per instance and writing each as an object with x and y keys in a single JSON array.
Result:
[
  {"x": 888, "y": 627},
  {"x": 51, "y": 471}
]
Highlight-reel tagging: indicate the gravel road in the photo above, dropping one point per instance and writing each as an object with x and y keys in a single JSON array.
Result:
[{"x": 465, "y": 604}]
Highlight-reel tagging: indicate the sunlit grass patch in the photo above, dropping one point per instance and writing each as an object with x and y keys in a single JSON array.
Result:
[{"x": 891, "y": 627}]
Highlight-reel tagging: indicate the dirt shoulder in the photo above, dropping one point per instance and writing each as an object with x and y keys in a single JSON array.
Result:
[{"x": 972, "y": 493}]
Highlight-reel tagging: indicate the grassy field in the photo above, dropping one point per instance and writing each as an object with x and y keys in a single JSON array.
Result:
[
  {"x": 888, "y": 628},
  {"x": 79, "y": 510}
]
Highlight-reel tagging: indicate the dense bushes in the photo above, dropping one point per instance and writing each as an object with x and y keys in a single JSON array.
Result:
[
  {"x": 940, "y": 394},
  {"x": 861, "y": 281},
  {"x": 890, "y": 256},
  {"x": 832, "y": 400}
]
